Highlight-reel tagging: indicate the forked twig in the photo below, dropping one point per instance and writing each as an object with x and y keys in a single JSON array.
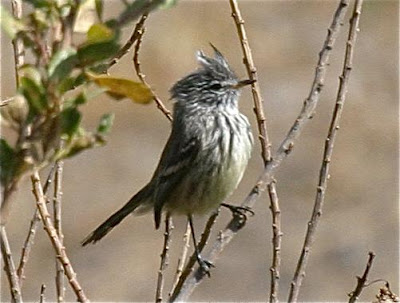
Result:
[
  {"x": 164, "y": 258},
  {"x": 284, "y": 150},
  {"x": 361, "y": 281},
  {"x": 132, "y": 39},
  {"x": 9, "y": 266},
  {"x": 182, "y": 258},
  {"x": 55, "y": 241},
  {"x": 141, "y": 76},
  {"x": 327, "y": 156},
  {"x": 265, "y": 150}
]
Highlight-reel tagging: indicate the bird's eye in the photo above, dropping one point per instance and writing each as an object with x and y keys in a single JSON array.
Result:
[{"x": 216, "y": 86}]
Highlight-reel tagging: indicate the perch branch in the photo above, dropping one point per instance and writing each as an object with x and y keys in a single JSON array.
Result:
[
  {"x": 9, "y": 267},
  {"x": 361, "y": 282},
  {"x": 265, "y": 150},
  {"x": 284, "y": 149},
  {"x": 178, "y": 290},
  {"x": 327, "y": 156},
  {"x": 141, "y": 76},
  {"x": 55, "y": 240},
  {"x": 164, "y": 258}
]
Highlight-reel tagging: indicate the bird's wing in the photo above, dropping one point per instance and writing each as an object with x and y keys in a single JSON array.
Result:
[{"x": 174, "y": 165}]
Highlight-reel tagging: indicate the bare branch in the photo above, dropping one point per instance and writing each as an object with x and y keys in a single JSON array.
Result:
[
  {"x": 141, "y": 76},
  {"x": 9, "y": 266},
  {"x": 26, "y": 249},
  {"x": 57, "y": 208},
  {"x": 182, "y": 258},
  {"x": 327, "y": 156},
  {"x": 164, "y": 257},
  {"x": 284, "y": 150},
  {"x": 363, "y": 280},
  {"x": 132, "y": 39},
  {"x": 55, "y": 240},
  {"x": 6, "y": 101},
  {"x": 265, "y": 149}
]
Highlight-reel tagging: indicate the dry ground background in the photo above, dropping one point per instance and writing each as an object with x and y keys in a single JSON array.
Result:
[{"x": 361, "y": 211}]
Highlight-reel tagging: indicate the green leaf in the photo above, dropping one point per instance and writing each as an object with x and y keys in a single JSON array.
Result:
[
  {"x": 106, "y": 122},
  {"x": 62, "y": 63},
  {"x": 70, "y": 120},
  {"x": 95, "y": 52},
  {"x": 10, "y": 25},
  {"x": 99, "y": 8},
  {"x": 76, "y": 101},
  {"x": 33, "y": 93},
  {"x": 40, "y": 3},
  {"x": 99, "y": 33},
  {"x": 167, "y": 4},
  {"x": 119, "y": 88},
  {"x": 8, "y": 160}
]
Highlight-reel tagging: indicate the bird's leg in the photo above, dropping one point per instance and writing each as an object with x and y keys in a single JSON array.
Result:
[
  {"x": 239, "y": 211},
  {"x": 204, "y": 264}
]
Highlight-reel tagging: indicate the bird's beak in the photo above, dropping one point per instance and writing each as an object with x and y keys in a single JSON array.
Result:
[{"x": 244, "y": 83}]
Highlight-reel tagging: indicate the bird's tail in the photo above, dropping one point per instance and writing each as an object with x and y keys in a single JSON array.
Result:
[{"x": 137, "y": 200}]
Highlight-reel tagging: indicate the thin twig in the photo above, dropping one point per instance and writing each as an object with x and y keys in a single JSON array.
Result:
[
  {"x": 57, "y": 208},
  {"x": 164, "y": 258},
  {"x": 18, "y": 45},
  {"x": 55, "y": 241},
  {"x": 284, "y": 150},
  {"x": 9, "y": 266},
  {"x": 178, "y": 290},
  {"x": 182, "y": 258},
  {"x": 26, "y": 249},
  {"x": 354, "y": 295},
  {"x": 127, "y": 46},
  {"x": 327, "y": 156},
  {"x": 141, "y": 76},
  {"x": 42, "y": 290},
  {"x": 265, "y": 150}
]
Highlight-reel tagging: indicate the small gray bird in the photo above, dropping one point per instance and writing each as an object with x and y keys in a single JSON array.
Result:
[{"x": 206, "y": 154}]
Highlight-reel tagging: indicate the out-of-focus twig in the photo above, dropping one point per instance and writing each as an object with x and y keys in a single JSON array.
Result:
[
  {"x": 182, "y": 258},
  {"x": 265, "y": 150},
  {"x": 132, "y": 39},
  {"x": 55, "y": 241},
  {"x": 284, "y": 149},
  {"x": 26, "y": 249},
  {"x": 57, "y": 209},
  {"x": 6, "y": 101},
  {"x": 327, "y": 156},
  {"x": 141, "y": 76},
  {"x": 18, "y": 45},
  {"x": 42, "y": 290},
  {"x": 164, "y": 258},
  {"x": 361, "y": 281},
  {"x": 9, "y": 267}
]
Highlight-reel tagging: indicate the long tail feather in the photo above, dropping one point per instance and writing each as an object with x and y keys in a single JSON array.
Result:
[{"x": 118, "y": 216}]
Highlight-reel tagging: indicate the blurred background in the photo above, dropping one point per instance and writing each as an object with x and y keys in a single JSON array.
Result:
[{"x": 361, "y": 210}]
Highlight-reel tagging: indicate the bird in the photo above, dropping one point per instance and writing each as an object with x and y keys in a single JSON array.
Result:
[{"x": 207, "y": 152}]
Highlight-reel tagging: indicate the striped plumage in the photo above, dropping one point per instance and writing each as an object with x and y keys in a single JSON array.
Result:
[{"x": 207, "y": 151}]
